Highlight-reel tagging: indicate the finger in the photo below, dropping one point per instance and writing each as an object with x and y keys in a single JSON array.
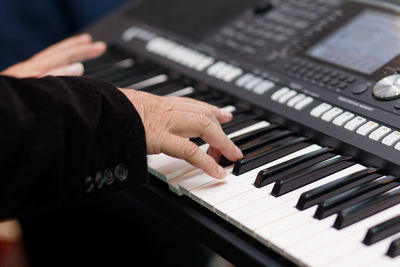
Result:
[
  {"x": 181, "y": 148},
  {"x": 222, "y": 115},
  {"x": 75, "y": 54},
  {"x": 66, "y": 44},
  {"x": 75, "y": 69},
  {"x": 214, "y": 153},
  {"x": 193, "y": 108},
  {"x": 198, "y": 125}
]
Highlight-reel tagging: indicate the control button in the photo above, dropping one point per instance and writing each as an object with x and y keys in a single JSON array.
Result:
[
  {"x": 253, "y": 82},
  {"x": 367, "y": 128},
  {"x": 379, "y": 133},
  {"x": 396, "y": 105},
  {"x": 232, "y": 74},
  {"x": 319, "y": 110},
  {"x": 355, "y": 123},
  {"x": 397, "y": 146},
  {"x": 331, "y": 114},
  {"x": 283, "y": 99},
  {"x": 359, "y": 89},
  {"x": 223, "y": 71},
  {"x": 263, "y": 87},
  {"x": 303, "y": 103},
  {"x": 391, "y": 139},
  {"x": 244, "y": 79},
  {"x": 342, "y": 85},
  {"x": 295, "y": 100},
  {"x": 351, "y": 80},
  {"x": 214, "y": 69},
  {"x": 388, "y": 88},
  {"x": 275, "y": 96},
  {"x": 343, "y": 118}
]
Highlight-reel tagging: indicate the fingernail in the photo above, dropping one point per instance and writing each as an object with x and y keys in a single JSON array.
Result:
[
  {"x": 226, "y": 114},
  {"x": 239, "y": 153},
  {"x": 85, "y": 36},
  {"x": 221, "y": 172},
  {"x": 100, "y": 44},
  {"x": 75, "y": 69}
]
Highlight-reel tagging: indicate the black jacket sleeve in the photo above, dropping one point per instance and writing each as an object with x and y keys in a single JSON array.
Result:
[{"x": 63, "y": 139}]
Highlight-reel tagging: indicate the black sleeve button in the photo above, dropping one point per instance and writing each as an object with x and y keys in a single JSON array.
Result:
[
  {"x": 89, "y": 185},
  {"x": 99, "y": 180},
  {"x": 121, "y": 172},
  {"x": 109, "y": 177}
]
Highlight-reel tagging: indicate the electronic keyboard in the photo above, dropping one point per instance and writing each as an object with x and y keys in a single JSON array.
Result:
[{"x": 314, "y": 87}]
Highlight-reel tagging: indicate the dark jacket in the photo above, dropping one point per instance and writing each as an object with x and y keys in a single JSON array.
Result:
[{"x": 64, "y": 139}]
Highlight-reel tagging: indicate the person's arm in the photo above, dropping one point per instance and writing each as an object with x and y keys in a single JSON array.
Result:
[{"x": 63, "y": 139}]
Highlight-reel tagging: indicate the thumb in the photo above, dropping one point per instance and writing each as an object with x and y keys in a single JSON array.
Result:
[{"x": 75, "y": 69}]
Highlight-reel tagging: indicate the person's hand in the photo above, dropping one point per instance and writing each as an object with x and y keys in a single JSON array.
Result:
[
  {"x": 169, "y": 121},
  {"x": 62, "y": 58}
]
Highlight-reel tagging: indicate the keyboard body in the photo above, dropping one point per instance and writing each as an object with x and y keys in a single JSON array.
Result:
[{"x": 301, "y": 65}]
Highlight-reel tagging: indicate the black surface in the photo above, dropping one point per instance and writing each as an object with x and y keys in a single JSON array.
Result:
[{"x": 382, "y": 230}]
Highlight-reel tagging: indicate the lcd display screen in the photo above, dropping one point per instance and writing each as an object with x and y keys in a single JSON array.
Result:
[{"x": 364, "y": 44}]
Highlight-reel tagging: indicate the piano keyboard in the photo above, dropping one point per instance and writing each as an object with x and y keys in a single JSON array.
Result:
[{"x": 308, "y": 202}]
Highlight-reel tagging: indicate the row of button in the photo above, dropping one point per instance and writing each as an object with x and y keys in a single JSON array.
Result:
[
  {"x": 224, "y": 71},
  {"x": 360, "y": 125},
  {"x": 254, "y": 83},
  {"x": 291, "y": 98},
  {"x": 108, "y": 176},
  {"x": 179, "y": 53}
]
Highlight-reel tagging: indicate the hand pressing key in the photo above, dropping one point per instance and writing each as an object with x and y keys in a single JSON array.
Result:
[{"x": 169, "y": 121}]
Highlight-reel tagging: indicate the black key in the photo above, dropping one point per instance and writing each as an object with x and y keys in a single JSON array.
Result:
[
  {"x": 206, "y": 96},
  {"x": 238, "y": 126},
  {"x": 270, "y": 175},
  {"x": 366, "y": 208},
  {"x": 394, "y": 248},
  {"x": 114, "y": 69},
  {"x": 251, "y": 147},
  {"x": 165, "y": 90},
  {"x": 354, "y": 195},
  {"x": 106, "y": 63},
  {"x": 238, "y": 119},
  {"x": 312, "y": 174},
  {"x": 130, "y": 81},
  {"x": 112, "y": 55},
  {"x": 118, "y": 73},
  {"x": 247, "y": 137},
  {"x": 269, "y": 154},
  {"x": 323, "y": 192},
  {"x": 382, "y": 231}
]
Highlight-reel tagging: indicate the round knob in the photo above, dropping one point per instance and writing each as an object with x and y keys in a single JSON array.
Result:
[{"x": 388, "y": 88}]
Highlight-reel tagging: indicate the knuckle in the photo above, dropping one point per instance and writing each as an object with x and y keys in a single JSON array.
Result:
[
  {"x": 190, "y": 150},
  {"x": 204, "y": 121}
]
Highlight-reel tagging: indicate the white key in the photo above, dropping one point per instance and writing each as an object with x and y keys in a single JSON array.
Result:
[
  {"x": 379, "y": 133},
  {"x": 353, "y": 124},
  {"x": 244, "y": 79},
  {"x": 320, "y": 109},
  {"x": 275, "y": 96},
  {"x": 304, "y": 103},
  {"x": 391, "y": 139},
  {"x": 366, "y": 254},
  {"x": 149, "y": 82},
  {"x": 263, "y": 87},
  {"x": 283, "y": 99},
  {"x": 367, "y": 128},
  {"x": 292, "y": 102},
  {"x": 220, "y": 74},
  {"x": 182, "y": 92},
  {"x": 343, "y": 118},
  {"x": 331, "y": 114},
  {"x": 350, "y": 241}
]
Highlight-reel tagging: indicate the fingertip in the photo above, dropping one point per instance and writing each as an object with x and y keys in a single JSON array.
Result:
[
  {"x": 85, "y": 37},
  {"x": 100, "y": 45},
  {"x": 225, "y": 115},
  {"x": 221, "y": 173},
  {"x": 75, "y": 69}
]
